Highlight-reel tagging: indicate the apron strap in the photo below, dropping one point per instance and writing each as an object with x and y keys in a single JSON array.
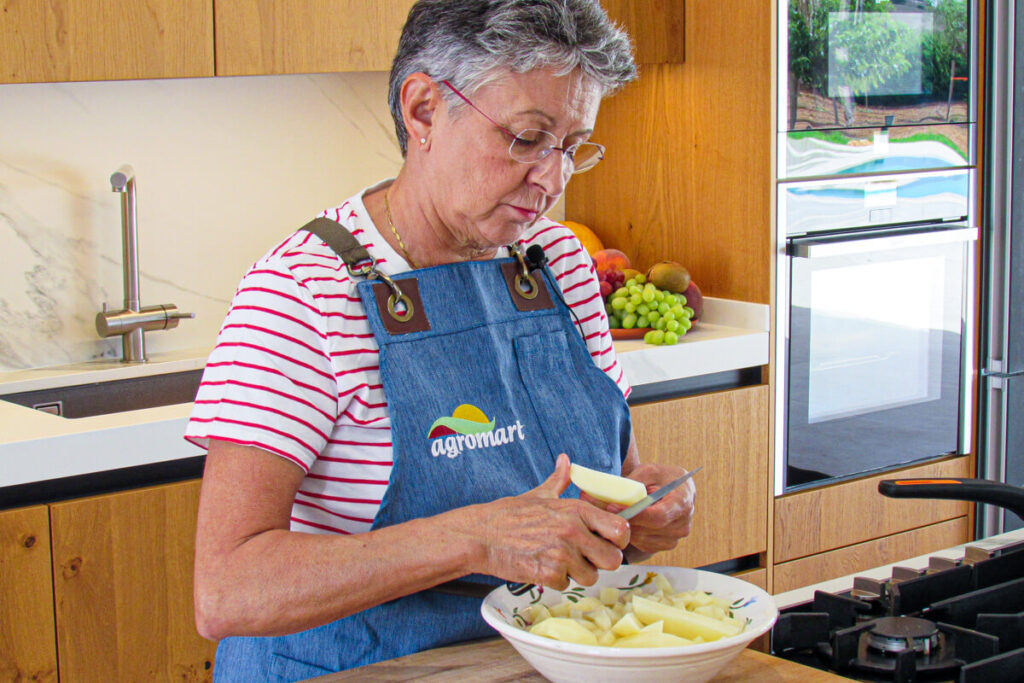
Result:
[{"x": 340, "y": 240}]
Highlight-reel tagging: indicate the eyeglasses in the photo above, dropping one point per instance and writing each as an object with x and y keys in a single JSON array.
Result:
[{"x": 532, "y": 144}]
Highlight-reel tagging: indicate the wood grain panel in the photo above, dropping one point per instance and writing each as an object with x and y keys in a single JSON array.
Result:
[
  {"x": 727, "y": 433},
  {"x": 275, "y": 36},
  {"x": 843, "y": 514},
  {"x": 687, "y": 175},
  {"x": 122, "y": 571},
  {"x": 85, "y": 40},
  {"x": 27, "y": 646},
  {"x": 656, "y": 27},
  {"x": 758, "y": 577},
  {"x": 861, "y": 556}
]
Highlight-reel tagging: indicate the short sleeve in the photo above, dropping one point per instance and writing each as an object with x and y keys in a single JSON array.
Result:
[{"x": 269, "y": 381}]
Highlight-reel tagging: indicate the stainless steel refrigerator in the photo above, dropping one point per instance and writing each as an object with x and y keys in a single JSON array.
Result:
[{"x": 1001, "y": 399}]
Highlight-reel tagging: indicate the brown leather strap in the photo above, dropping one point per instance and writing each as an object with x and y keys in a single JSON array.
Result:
[{"x": 340, "y": 240}]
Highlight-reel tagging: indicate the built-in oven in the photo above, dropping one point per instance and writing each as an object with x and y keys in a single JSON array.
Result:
[
  {"x": 876, "y": 231},
  {"x": 875, "y": 311}
]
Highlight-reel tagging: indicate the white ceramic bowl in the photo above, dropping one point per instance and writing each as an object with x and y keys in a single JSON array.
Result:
[{"x": 570, "y": 663}]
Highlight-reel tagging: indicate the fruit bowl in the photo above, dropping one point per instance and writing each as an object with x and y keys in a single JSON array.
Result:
[{"x": 563, "y": 662}]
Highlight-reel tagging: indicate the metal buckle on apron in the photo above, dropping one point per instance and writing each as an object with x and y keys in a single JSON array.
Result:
[
  {"x": 396, "y": 297},
  {"x": 531, "y": 290}
]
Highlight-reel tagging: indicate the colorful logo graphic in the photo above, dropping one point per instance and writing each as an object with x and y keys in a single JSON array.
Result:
[
  {"x": 469, "y": 428},
  {"x": 466, "y": 419}
]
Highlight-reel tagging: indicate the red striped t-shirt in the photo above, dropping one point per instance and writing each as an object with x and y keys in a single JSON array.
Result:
[{"x": 295, "y": 369}]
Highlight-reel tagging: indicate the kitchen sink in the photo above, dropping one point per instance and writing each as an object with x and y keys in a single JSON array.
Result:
[{"x": 115, "y": 396}]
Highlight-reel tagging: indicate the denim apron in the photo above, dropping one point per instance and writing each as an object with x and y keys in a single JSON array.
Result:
[{"x": 483, "y": 396}]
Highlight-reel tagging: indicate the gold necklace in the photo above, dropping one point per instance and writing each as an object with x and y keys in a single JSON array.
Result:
[{"x": 391, "y": 224}]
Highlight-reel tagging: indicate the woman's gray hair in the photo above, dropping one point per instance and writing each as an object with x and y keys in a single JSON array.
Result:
[{"x": 468, "y": 42}]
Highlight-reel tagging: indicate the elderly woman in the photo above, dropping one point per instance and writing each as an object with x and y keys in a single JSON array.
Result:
[{"x": 397, "y": 391}]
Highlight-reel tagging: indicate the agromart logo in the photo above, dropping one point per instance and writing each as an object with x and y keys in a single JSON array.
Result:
[{"x": 467, "y": 429}]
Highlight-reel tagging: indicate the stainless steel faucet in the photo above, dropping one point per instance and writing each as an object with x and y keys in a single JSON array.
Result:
[{"x": 132, "y": 322}]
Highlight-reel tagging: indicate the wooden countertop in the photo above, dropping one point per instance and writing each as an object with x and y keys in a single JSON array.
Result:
[{"x": 495, "y": 660}]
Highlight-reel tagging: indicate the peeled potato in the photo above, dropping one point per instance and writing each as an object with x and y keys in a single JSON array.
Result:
[
  {"x": 567, "y": 630},
  {"x": 683, "y": 623},
  {"x": 607, "y": 487}
]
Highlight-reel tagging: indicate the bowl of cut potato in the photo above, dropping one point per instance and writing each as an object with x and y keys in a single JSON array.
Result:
[{"x": 637, "y": 624}]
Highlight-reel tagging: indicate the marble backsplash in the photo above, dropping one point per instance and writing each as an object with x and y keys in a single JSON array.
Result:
[{"x": 225, "y": 168}]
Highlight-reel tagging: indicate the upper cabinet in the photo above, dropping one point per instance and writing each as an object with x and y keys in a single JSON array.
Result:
[
  {"x": 85, "y": 40},
  {"x": 285, "y": 37}
]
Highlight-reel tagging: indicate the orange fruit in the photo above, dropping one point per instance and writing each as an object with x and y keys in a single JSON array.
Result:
[{"x": 587, "y": 237}]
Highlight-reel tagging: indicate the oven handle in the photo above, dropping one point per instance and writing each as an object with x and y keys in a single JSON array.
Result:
[{"x": 824, "y": 247}]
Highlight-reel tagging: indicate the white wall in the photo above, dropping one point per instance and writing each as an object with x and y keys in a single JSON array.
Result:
[{"x": 226, "y": 167}]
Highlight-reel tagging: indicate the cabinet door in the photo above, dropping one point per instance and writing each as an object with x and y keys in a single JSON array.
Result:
[
  {"x": 27, "y": 651},
  {"x": 85, "y": 40},
  {"x": 829, "y": 517},
  {"x": 314, "y": 36},
  {"x": 727, "y": 433},
  {"x": 122, "y": 572}
]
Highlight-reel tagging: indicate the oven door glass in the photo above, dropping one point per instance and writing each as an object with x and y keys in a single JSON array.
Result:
[{"x": 875, "y": 353}]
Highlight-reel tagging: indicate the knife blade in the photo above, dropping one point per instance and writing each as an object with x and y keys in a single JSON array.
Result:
[{"x": 653, "y": 497}]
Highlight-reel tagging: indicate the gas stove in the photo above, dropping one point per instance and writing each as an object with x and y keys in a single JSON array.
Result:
[{"x": 956, "y": 615}]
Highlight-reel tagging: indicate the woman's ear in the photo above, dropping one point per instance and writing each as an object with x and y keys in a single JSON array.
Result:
[{"x": 420, "y": 99}]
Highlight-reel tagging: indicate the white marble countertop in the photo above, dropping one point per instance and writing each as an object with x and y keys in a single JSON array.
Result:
[{"x": 36, "y": 446}]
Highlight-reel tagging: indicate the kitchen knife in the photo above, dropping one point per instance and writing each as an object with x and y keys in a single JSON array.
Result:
[{"x": 652, "y": 498}]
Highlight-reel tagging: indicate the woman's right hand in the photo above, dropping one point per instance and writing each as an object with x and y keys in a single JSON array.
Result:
[{"x": 540, "y": 538}]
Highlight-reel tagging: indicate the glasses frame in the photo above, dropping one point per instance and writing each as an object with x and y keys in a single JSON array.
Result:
[{"x": 568, "y": 153}]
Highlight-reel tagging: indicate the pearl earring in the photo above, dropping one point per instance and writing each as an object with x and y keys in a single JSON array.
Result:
[{"x": 423, "y": 141}]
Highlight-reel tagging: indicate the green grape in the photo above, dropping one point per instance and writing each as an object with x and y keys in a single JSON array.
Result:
[
  {"x": 682, "y": 299},
  {"x": 685, "y": 324},
  {"x": 614, "y": 322},
  {"x": 689, "y": 311},
  {"x": 671, "y": 300},
  {"x": 620, "y": 292},
  {"x": 648, "y": 295},
  {"x": 629, "y": 321},
  {"x": 659, "y": 296},
  {"x": 640, "y": 278},
  {"x": 635, "y": 289},
  {"x": 654, "y": 337},
  {"x": 659, "y": 324},
  {"x": 643, "y": 309},
  {"x": 652, "y": 318},
  {"x": 677, "y": 310},
  {"x": 672, "y": 325},
  {"x": 636, "y": 299},
  {"x": 669, "y": 315},
  {"x": 629, "y": 307},
  {"x": 618, "y": 303},
  {"x": 629, "y": 283},
  {"x": 663, "y": 308},
  {"x": 670, "y": 338}
]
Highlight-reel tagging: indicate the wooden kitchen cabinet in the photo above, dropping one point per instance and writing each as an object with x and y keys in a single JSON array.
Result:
[
  {"x": 27, "y": 646},
  {"x": 829, "y": 517},
  {"x": 869, "y": 554},
  {"x": 85, "y": 40},
  {"x": 727, "y": 433},
  {"x": 284, "y": 37},
  {"x": 122, "y": 582}
]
